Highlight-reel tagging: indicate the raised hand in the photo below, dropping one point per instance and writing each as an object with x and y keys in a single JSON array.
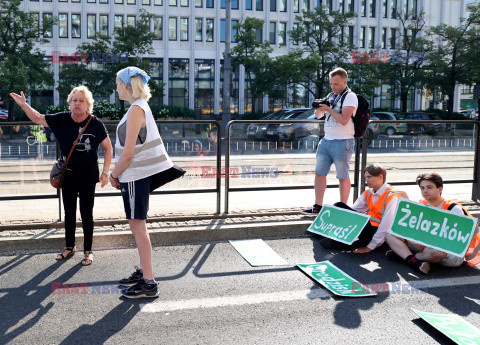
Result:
[{"x": 19, "y": 99}]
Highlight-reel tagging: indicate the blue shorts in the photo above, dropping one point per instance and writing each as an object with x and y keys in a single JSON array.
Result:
[
  {"x": 135, "y": 196},
  {"x": 334, "y": 151}
]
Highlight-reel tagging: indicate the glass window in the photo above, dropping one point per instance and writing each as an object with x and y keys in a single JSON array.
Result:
[
  {"x": 363, "y": 32},
  {"x": 259, "y": 5},
  {"x": 350, "y": 6},
  {"x": 414, "y": 9},
  {"x": 198, "y": 29},
  {"x": 158, "y": 2},
  {"x": 62, "y": 25},
  {"x": 172, "y": 29},
  {"x": 183, "y": 29},
  {"x": 204, "y": 84},
  {"x": 260, "y": 35},
  {"x": 364, "y": 8},
  {"x": 234, "y": 4},
  {"x": 385, "y": 9},
  {"x": 172, "y": 2},
  {"x": 373, "y": 8},
  {"x": 73, "y": 0},
  {"x": 36, "y": 19},
  {"x": 158, "y": 27},
  {"x": 350, "y": 34},
  {"x": 384, "y": 38},
  {"x": 283, "y": 6},
  {"x": 306, "y": 5},
  {"x": 118, "y": 23},
  {"x": 394, "y": 8},
  {"x": 178, "y": 73},
  {"x": 198, "y": 3},
  {"x": 131, "y": 2},
  {"x": 119, "y": 1},
  {"x": 184, "y": 3},
  {"x": 209, "y": 30},
  {"x": 282, "y": 33},
  {"x": 91, "y": 25},
  {"x": 295, "y": 27},
  {"x": 91, "y": 1},
  {"x": 273, "y": 5},
  {"x": 209, "y": 3},
  {"x": 62, "y": 0},
  {"x": 406, "y": 7},
  {"x": 296, "y": 6},
  {"x": 47, "y": 30},
  {"x": 393, "y": 38},
  {"x": 272, "y": 33},
  {"x": 103, "y": 1},
  {"x": 248, "y": 4},
  {"x": 103, "y": 21},
  {"x": 233, "y": 31},
  {"x": 76, "y": 26},
  {"x": 329, "y": 4},
  {"x": 146, "y": 2},
  {"x": 131, "y": 21},
  {"x": 371, "y": 38}
]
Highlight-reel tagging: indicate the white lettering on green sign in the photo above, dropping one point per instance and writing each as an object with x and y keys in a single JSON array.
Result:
[{"x": 338, "y": 231}]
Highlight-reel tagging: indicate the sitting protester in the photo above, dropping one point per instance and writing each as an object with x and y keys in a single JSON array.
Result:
[
  {"x": 380, "y": 202},
  {"x": 419, "y": 256}
]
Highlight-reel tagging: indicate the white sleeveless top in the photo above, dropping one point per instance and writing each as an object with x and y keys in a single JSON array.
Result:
[{"x": 150, "y": 156}]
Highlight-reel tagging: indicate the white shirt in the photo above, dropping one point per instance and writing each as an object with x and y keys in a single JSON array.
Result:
[
  {"x": 361, "y": 205},
  {"x": 335, "y": 130}
]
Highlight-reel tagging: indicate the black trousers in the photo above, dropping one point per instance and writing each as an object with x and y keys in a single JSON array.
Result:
[
  {"x": 86, "y": 193},
  {"x": 367, "y": 233}
]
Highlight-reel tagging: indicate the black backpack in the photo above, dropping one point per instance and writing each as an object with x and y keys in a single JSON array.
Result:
[{"x": 362, "y": 116}]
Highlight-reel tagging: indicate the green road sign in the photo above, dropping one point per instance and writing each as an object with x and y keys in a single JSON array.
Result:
[
  {"x": 339, "y": 224},
  {"x": 453, "y": 326},
  {"x": 334, "y": 279},
  {"x": 433, "y": 227}
]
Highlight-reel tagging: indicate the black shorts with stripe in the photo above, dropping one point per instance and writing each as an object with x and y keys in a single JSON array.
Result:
[{"x": 135, "y": 196}]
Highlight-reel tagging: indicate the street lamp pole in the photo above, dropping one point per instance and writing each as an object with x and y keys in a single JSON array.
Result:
[{"x": 227, "y": 66}]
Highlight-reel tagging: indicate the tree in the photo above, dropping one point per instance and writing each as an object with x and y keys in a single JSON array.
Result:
[
  {"x": 450, "y": 58},
  {"x": 320, "y": 34},
  {"x": 405, "y": 69},
  {"x": 22, "y": 63}
]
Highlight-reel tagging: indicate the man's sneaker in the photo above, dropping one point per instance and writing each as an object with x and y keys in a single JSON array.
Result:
[
  {"x": 133, "y": 279},
  {"x": 141, "y": 290},
  {"x": 419, "y": 265},
  {"x": 312, "y": 210}
]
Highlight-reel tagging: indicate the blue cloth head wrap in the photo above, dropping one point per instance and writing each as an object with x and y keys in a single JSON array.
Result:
[{"x": 129, "y": 72}]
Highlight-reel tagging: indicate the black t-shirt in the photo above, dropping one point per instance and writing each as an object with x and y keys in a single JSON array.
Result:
[{"x": 84, "y": 160}]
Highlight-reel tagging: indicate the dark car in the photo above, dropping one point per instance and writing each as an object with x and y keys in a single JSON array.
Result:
[
  {"x": 259, "y": 131},
  {"x": 429, "y": 126}
]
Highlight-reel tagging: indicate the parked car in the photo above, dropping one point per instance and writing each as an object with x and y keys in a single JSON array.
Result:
[
  {"x": 258, "y": 131},
  {"x": 391, "y": 128},
  {"x": 429, "y": 126}
]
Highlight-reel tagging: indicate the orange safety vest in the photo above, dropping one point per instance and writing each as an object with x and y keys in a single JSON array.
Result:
[
  {"x": 377, "y": 209},
  {"x": 472, "y": 256}
]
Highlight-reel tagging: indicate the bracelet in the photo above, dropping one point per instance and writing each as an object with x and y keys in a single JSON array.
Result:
[
  {"x": 104, "y": 173},
  {"x": 115, "y": 178}
]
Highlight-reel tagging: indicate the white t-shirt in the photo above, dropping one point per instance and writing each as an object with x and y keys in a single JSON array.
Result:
[{"x": 333, "y": 129}]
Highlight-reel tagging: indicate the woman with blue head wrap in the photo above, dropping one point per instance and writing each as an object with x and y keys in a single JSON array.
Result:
[{"x": 139, "y": 154}]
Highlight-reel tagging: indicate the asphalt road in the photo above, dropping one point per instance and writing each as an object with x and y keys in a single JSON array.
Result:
[{"x": 210, "y": 295}]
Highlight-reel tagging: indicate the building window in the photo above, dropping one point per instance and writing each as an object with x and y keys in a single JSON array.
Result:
[
  {"x": 131, "y": 21},
  {"x": 363, "y": 32},
  {"x": 198, "y": 3},
  {"x": 350, "y": 34},
  {"x": 183, "y": 29},
  {"x": 62, "y": 0},
  {"x": 103, "y": 21},
  {"x": 295, "y": 28},
  {"x": 158, "y": 27},
  {"x": 393, "y": 38},
  {"x": 384, "y": 38},
  {"x": 172, "y": 29},
  {"x": 232, "y": 30},
  {"x": 91, "y": 1},
  {"x": 36, "y": 19},
  {"x": 71, "y": 0},
  {"x": 62, "y": 25},
  {"x": 385, "y": 9},
  {"x": 209, "y": 30},
  {"x": 329, "y": 4},
  {"x": 414, "y": 9},
  {"x": 306, "y": 5},
  {"x": 103, "y": 1},
  {"x": 364, "y": 8},
  {"x": 260, "y": 35},
  {"x": 91, "y": 25},
  {"x": 282, "y": 33},
  {"x": 178, "y": 71},
  {"x": 283, "y": 5},
  {"x": 248, "y": 4},
  {"x": 350, "y": 6},
  {"x": 393, "y": 8},
  {"x": 146, "y": 2},
  {"x": 204, "y": 85},
  {"x": 406, "y": 6},
  {"x": 273, "y": 5},
  {"x": 158, "y": 2},
  {"x": 119, "y": 1},
  {"x": 198, "y": 29},
  {"x": 118, "y": 22},
  {"x": 373, "y": 8},
  {"x": 209, "y": 3},
  {"x": 172, "y": 2},
  {"x": 259, "y": 5},
  {"x": 76, "y": 26},
  {"x": 234, "y": 4},
  {"x": 131, "y": 2},
  {"x": 47, "y": 29},
  {"x": 296, "y": 6},
  {"x": 272, "y": 33},
  {"x": 371, "y": 38},
  {"x": 184, "y": 3}
]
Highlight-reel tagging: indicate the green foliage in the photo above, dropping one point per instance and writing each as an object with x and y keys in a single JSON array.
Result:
[
  {"x": 170, "y": 112},
  {"x": 53, "y": 109},
  {"x": 106, "y": 110}
]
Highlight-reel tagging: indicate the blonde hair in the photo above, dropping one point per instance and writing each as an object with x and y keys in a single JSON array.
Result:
[
  {"x": 88, "y": 96},
  {"x": 138, "y": 89},
  {"x": 340, "y": 72}
]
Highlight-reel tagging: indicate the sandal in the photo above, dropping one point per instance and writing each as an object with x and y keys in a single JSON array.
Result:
[
  {"x": 86, "y": 260},
  {"x": 66, "y": 253}
]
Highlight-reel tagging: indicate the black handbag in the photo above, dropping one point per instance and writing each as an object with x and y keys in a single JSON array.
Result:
[{"x": 166, "y": 176}]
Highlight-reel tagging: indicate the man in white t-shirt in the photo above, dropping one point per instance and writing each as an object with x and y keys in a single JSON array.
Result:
[{"x": 338, "y": 144}]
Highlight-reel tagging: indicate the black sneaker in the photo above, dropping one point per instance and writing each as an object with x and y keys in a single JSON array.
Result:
[
  {"x": 312, "y": 210},
  {"x": 133, "y": 279},
  {"x": 141, "y": 290}
]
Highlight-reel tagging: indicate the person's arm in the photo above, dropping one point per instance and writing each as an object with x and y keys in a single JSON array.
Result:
[
  {"x": 135, "y": 120},
  {"x": 360, "y": 205},
  {"x": 32, "y": 114},
  {"x": 342, "y": 118},
  {"x": 107, "y": 146}
]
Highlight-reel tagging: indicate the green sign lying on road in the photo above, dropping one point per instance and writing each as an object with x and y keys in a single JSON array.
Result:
[
  {"x": 433, "y": 227},
  {"x": 334, "y": 279},
  {"x": 453, "y": 326},
  {"x": 339, "y": 224}
]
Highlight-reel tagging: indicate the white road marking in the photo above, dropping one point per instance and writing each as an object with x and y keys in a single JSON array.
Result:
[{"x": 396, "y": 289}]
